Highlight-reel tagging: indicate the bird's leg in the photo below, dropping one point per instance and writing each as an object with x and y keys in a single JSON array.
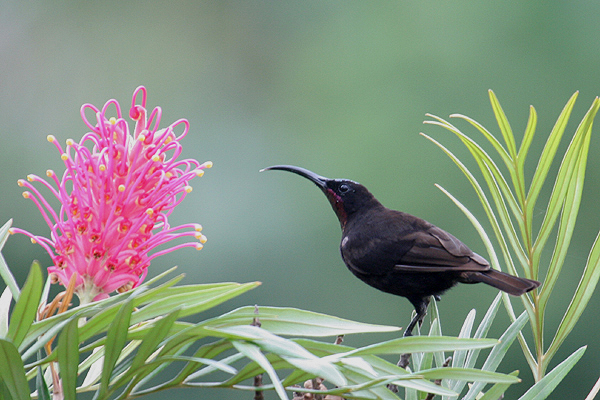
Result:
[{"x": 421, "y": 310}]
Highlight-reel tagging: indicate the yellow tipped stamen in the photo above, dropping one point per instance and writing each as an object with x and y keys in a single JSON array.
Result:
[
  {"x": 11, "y": 231},
  {"x": 198, "y": 228},
  {"x": 141, "y": 138},
  {"x": 121, "y": 188},
  {"x": 30, "y": 178},
  {"x": 21, "y": 182},
  {"x": 150, "y": 211},
  {"x": 102, "y": 167},
  {"x": 199, "y": 173},
  {"x": 70, "y": 142},
  {"x": 207, "y": 164},
  {"x": 168, "y": 140},
  {"x": 188, "y": 189},
  {"x": 202, "y": 239},
  {"x": 112, "y": 120},
  {"x": 26, "y": 195},
  {"x": 33, "y": 241},
  {"x": 199, "y": 246},
  {"x": 49, "y": 173},
  {"x": 155, "y": 158},
  {"x": 64, "y": 157}
]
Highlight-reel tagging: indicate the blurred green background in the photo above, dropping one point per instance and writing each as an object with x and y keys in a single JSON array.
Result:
[{"x": 341, "y": 88}]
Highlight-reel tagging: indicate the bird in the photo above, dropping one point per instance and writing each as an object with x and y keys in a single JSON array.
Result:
[{"x": 401, "y": 254}]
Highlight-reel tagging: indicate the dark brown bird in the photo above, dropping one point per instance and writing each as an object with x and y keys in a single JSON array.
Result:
[{"x": 401, "y": 254}]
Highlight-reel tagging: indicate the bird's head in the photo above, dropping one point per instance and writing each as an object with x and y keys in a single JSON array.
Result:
[{"x": 346, "y": 197}]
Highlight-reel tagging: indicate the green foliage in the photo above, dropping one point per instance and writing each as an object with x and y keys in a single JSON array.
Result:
[
  {"x": 123, "y": 345},
  {"x": 511, "y": 221}
]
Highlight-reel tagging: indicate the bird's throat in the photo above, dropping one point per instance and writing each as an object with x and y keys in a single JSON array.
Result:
[{"x": 338, "y": 206}]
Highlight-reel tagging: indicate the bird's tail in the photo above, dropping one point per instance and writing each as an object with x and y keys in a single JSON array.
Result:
[{"x": 507, "y": 283}]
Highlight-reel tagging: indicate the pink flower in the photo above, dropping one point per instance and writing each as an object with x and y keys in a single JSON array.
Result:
[{"x": 116, "y": 195}]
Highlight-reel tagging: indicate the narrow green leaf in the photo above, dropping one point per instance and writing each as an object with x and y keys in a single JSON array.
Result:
[
  {"x": 459, "y": 356},
  {"x": 41, "y": 386},
  {"x": 192, "y": 300},
  {"x": 567, "y": 220},
  {"x": 68, "y": 359},
  {"x": 5, "y": 273},
  {"x": 211, "y": 350},
  {"x": 542, "y": 389},
  {"x": 504, "y": 126},
  {"x": 292, "y": 321},
  {"x": 488, "y": 210},
  {"x": 26, "y": 307},
  {"x": 583, "y": 293},
  {"x": 153, "y": 338},
  {"x": 481, "y": 332},
  {"x": 252, "y": 352},
  {"x": 496, "y": 392},
  {"x": 562, "y": 181},
  {"x": 527, "y": 138},
  {"x": 567, "y": 197},
  {"x": 381, "y": 366},
  {"x": 5, "y": 301},
  {"x": 468, "y": 374},
  {"x": 115, "y": 341},
  {"x": 501, "y": 193},
  {"x": 415, "y": 344},
  {"x": 4, "y": 233},
  {"x": 12, "y": 371},
  {"x": 548, "y": 154},
  {"x": 520, "y": 172},
  {"x": 498, "y": 353}
]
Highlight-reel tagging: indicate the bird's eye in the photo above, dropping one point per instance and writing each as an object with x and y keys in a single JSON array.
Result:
[{"x": 344, "y": 188}]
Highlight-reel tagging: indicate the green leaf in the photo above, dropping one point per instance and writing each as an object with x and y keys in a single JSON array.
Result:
[
  {"x": 488, "y": 210},
  {"x": 26, "y": 306},
  {"x": 468, "y": 374},
  {"x": 68, "y": 359},
  {"x": 527, "y": 138},
  {"x": 192, "y": 299},
  {"x": 583, "y": 293},
  {"x": 413, "y": 344},
  {"x": 565, "y": 197},
  {"x": 497, "y": 391},
  {"x": 12, "y": 371},
  {"x": 459, "y": 357},
  {"x": 481, "y": 332},
  {"x": 543, "y": 388},
  {"x": 504, "y": 126},
  {"x": 41, "y": 386},
  {"x": 291, "y": 352},
  {"x": 545, "y": 161},
  {"x": 5, "y": 273},
  {"x": 501, "y": 193},
  {"x": 115, "y": 340},
  {"x": 498, "y": 353},
  {"x": 253, "y": 352},
  {"x": 381, "y": 366},
  {"x": 153, "y": 338},
  {"x": 520, "y": 172},
  {"x": 5, "y": 301},
  {"x": 292, "y": 321}
]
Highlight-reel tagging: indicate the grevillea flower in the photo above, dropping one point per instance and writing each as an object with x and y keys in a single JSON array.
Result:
[{"x": 116, "y": 194}]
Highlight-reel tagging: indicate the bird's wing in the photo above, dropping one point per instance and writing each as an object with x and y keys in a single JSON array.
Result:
[{"x": 435, "y": 250}]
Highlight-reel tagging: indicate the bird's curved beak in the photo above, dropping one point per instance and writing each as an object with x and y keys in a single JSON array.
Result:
[{"x": 318, "y": 180}]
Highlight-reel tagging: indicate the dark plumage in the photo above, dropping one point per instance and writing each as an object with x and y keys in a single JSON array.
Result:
[{"x": 401, "y": 254}]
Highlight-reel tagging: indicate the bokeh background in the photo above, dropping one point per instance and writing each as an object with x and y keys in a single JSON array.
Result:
[{"x": 339, "y": 87}]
